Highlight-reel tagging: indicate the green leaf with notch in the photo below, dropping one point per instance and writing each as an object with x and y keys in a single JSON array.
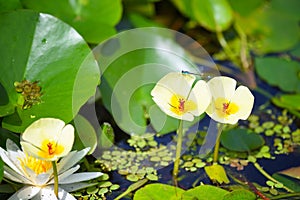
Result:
[{"x": 41, "y": 48}]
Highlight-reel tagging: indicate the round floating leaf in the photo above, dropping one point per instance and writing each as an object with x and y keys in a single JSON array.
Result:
[
  {"x": 44, "y": 50},
  {"x": 279, "y": 72},
  {"x": 240, "y": 194},
  {"x": 290, "y": 101},
  {"x": 268, "y": 30},
  {"x": 93, "y": 19},
  {"x": 204, "y": 192},
  {"x": 158, "y": 191},
  {"x": 215, "y": 15},
  {"x": 241, "y": 140},
  {"x": 245, "y": 8}
]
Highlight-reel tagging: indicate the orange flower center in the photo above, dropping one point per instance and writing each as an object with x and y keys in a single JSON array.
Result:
[
  {"x": 49, "y": 149},
  {"x": 179, "y": 105},
  {"x": 224, "y": 108}
]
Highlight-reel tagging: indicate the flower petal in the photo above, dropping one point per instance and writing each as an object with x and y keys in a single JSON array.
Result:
[
  {"x": 244, "y": 99},
  {"x": 8, "y": 161},
  {"x": 44, "y": 128},
  {"x": 66, "y": 174},
  {"x": 66, "y": 139},
  {"x": 14, "y": 176},
  {"x": 31, "y": 150},
  {"x": 71, "y": 159},
  {"x": 11, "y": 146},
  {"x": 27, "y": 192},
  {"x": 79, "y": 177},
  {"x": 47, "y": 193},
  {"x": 201, "y": 95},
  {"x": 222, "y": 86},
  {"x": 176, "y": 83}
]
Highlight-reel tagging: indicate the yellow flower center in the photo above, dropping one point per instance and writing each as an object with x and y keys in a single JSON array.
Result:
[
  {"x": 179, "y": 105},
  {"x": 224, "y": 108},
  {"x": 36, "y": 165},
  {"x": 50, "y": 149}
]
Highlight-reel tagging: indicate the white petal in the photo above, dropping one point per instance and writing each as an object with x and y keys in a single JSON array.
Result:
[
  {"x": 11, "y": 146},
  {"x": 222, "y": 86},
  {"x": 66, "y": 139},
  {"x": 200, "y": 94},
  {"x": 66, "y": 174},
  {"x": 244, "y": 99},
  {"x": 27, "y": 192},
  {"x": 79, "y": 177},
  {"x": 70, "y": 160},
  {"x": 163, "y": 102},
  {"x": 47, "y": 193},
  {"x": 31, "y": 150},
  {"x": 174, "y": 82},
  {"x": 12, "y": 175},
  {"x": 42, "y": 178},
  {"x": 8, "y": 161},
  {"x": 44, "y": 128}
]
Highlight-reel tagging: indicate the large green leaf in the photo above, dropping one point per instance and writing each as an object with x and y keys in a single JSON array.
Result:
[
  {"x": 215, "y": 15},
  {"x": 204, "y": 192},
  {"x": 241, "y": 140},
  {"x": 279, "y": 72},
  {"x": 39, "y": 47},
  {"x": 270, "y": 30},
  {"x": 245, "y": 8},
  {"x": 9, "y": 5},
  {"x": 289, "y": 101},
  {"x": 158, "y": 191},
  {"x": 93, "y": 19}
]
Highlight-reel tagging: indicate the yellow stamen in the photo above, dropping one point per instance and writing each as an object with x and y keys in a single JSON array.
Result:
[
  {"x": 36, "y": 165},
  {"x": 50, "y": 149},
  {"x": 224, "y": 108},
  {"x": 179, "y": 105}
]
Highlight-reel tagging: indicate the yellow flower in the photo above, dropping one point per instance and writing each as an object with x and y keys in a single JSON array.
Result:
[
  {"x": 48, "y": 139},
  {"x": 176, "y": 96},
  {"x": 229, "y": 104}
]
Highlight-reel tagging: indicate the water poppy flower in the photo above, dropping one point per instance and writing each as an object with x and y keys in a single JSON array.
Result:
[
  {"x": 229, "y": 104},
  {"x": 48, "y": 139},
  {"x": 176, "y": 96}
]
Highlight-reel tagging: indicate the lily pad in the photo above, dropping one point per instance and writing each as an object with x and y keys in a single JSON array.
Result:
[
  {"x": 204, "y": 192},
  {"x": 93, "y": 19},
  {"x": 158, "y": 191},
  {"x": 241, "y": 140},
  {"x": 44, "y": 50},
  {"x": 290, "y": 101},
  {"x": 279, "y": 72},
  {"x": 240, "y": 194},
  {"x": 215, "y": 15}
]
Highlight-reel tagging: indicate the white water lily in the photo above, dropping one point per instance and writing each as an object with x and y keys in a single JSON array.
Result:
[
  {"x": 177, "y": 97},
  {"x": 48, "y": 139},
  {"x": 37, "y": 175},
  {"x": 229, "y": 104}
]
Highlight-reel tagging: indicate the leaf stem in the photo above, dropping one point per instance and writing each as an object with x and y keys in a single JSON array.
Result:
[
  {"x": 178, "y": 150},
  {"x": 268, "y": 176},
  {"x": 225, "y": 45},
  {"x": 55, "y": 174},
  {"x": 217, "y": 146},
  {"x": 132, "y": 187}
]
